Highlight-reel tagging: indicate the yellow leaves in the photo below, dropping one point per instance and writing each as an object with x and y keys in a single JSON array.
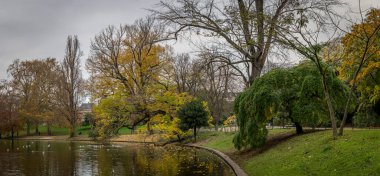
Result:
[
  {"x": 362, "y": 56},
  {"x": 268, "y": 112},
  {"x": 210, "y": 118},
  {"x": 230, "y": 120}
]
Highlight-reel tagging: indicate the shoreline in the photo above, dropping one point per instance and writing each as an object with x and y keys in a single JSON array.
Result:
[
  {"x": 122, "y": 138},
  {"x": 234, "y": 166}
]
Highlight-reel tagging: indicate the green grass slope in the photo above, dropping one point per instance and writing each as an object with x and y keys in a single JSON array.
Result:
[
  {"x": 355, "y": 153},
  {"x": 223, "y": 141}
]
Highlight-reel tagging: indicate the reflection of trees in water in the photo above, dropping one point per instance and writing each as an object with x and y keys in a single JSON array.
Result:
[{"x": 71, "y": 158}]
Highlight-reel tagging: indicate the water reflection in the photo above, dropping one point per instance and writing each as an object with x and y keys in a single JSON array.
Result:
[{"x": 79, "y": 158}]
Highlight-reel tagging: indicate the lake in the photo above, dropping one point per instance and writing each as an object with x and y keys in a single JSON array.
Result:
[{"x": 22, "y": 157}]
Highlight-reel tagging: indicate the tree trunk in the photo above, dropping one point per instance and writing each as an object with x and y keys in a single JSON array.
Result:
[
  {"x": 330, "y": 106},
  {"x": 343, "y": 123},
  {"x": 72, "y": 130},
  {"x": 28, "y": 129},
  {"x": 299, "y": 129},
  {"x": 37, "y": 131},
  {"x": 49, "y": 129},
  {"x": 195, "y": 134},
  {"x": 12, "y": 133},
  {"x": 150, "y": 131}
]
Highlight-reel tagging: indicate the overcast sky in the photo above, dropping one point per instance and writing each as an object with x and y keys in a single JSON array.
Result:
[{"x": 38, "y": 28}]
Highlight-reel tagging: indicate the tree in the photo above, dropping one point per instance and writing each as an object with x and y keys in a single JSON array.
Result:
[
  {"x": 312, "y": 32},
  {"x": 167, "y": 123},
  {"x": 9, "y": 104},
  {"x": 70, "y": 83},
  {"x": 360, "y": 64},
  {"x": 212, "y": 82},
  {"x": 184, "y": 74},
  {"x": 295, "y": 91},
  {"x": 130, "y": 61},
  {"x": 113, "y": 112},
  {"x": 88, "y": 119},
  {"x": 193, "y": 115},
  {"x": 34, "y": 82},
  {"x": 242, "y": 32},
  {"x": 22, "y": 80}
]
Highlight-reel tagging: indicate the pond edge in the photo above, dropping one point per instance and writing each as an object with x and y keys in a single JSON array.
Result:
[{"x": 235, "y": 167}]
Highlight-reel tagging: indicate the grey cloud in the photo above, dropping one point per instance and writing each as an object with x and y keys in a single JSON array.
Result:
[{"x": 38, "y": 28}]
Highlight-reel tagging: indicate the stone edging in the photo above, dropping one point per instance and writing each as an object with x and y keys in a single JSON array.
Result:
[{"x": 235, "y": 167}]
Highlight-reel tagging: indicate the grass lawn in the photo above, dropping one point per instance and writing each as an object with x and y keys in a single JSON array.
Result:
[
  {"x": 222, "y": 141},
  {"x": 355, "y": 153}
]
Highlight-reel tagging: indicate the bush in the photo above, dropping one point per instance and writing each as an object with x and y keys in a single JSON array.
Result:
[{"x": 366, "y": 118}]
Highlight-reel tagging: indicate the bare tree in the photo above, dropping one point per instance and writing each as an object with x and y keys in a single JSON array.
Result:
[
  {"x": 216, "y": 87},
  {"x": 212, "y": 82},
  {"x": 244, "y": 30},
  {"x": 70, "y": 83},
  {"x": 186, "y": 75}
]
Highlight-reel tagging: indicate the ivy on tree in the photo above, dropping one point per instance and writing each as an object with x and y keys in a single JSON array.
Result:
[{"x": 193, "y": 115}]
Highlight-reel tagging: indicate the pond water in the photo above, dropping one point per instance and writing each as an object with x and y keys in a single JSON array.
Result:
[{"x": 22, "y": 157}]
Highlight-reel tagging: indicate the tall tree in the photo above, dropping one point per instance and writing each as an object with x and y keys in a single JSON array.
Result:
[
  {"x": 308, "y": 36},
  {"x": 243, "y": 31},
  {"x": 70, "y": 83},
  {"x": 9, "y": 107},
  {"x": 22, "y": 80},
  {"x": 34, "y": 81},
  {"x": 360, "y": 63},
  {"x": 132, "y": 59}
]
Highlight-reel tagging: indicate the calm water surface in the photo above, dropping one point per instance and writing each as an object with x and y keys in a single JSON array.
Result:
[{"x": 86, "y": 158}]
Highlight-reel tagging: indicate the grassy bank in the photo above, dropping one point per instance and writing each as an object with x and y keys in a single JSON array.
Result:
[
  {"x": 355, "y": 153},
  {"x": 223, "y": 141},
  {"x": 63, "y": 131}
]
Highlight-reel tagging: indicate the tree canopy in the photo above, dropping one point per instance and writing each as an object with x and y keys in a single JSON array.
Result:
[
  {"x": 193, "y": 115},
  {"x": 297, "y": 91}
]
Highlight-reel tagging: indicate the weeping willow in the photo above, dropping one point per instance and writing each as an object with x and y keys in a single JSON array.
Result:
[{"x": 296, "y": 90}]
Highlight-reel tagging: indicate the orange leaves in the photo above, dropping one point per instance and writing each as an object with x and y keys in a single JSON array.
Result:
[{"x": 361, "y": 61}]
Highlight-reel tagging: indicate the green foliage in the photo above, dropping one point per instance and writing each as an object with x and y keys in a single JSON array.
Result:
[
  {"x": 112, "y": 113},
  {"x": 167, "y": 123},
  {"x": 89, "y": 119},
  {"x": 366, "y": 118},
  {"x": 193, "y": 115},
  {"x": 295, "y": 93}
]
